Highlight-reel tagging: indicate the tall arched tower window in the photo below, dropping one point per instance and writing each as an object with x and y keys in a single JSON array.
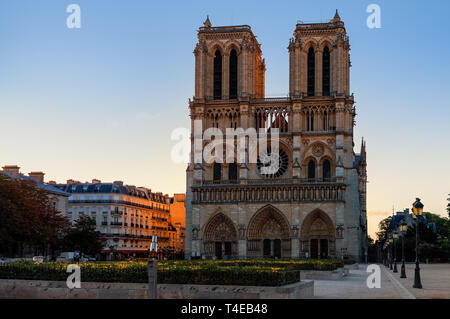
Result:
[
  {"x": 311, "y": 72},
  {"x": 326, "y": 72},
  {"x": 326, "y": 169},
  {"x": 311, "y": 169},
  {"x": 217, "y": 172},
  {"x": 217, "y": 75},
  {"x": 233, "y": 74}
]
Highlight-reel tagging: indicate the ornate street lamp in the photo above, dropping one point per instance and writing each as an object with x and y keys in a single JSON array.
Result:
[
  {"x": 403, "y": 229},
  {"x": 395, "y": 236},
  {"x": 417, "y": 209},
  {"x": 390, "y": 251}
]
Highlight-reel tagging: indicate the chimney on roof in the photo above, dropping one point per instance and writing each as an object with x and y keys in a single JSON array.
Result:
[
  {"x": 120, "y": 183},
  {"x": 71, "y": 181},
  {"x": 52, "y": 183},
  {"x": 38, "y": 177},
  {"x": 11, "y": 170},
  {"x": 96, "y": 181},
  {"x": 179, "y": 197}
]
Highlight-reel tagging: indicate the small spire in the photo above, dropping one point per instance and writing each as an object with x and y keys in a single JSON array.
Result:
[
  {"x": 363, "y": 150},
  {"x": 207, "y": 23},
  {"x": 336, "y": 16}
]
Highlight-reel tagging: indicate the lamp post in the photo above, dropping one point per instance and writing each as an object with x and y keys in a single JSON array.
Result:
[
  {"x": 112, "y": 252},
  {"x": 390, "y": 251},
  {"x": 417, "y": 208},
  {"x": 403, "y": 229},
  {"x": 395, "y": 236}
]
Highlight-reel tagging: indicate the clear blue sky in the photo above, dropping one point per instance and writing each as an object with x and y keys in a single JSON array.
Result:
[{"x": 101, "y": 101}]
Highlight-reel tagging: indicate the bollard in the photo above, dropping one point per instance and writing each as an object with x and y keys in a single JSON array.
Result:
[{"x": 152, "y": 269}]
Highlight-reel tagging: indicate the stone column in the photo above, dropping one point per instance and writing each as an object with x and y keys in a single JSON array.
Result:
[
  {"x": 152, "y": 271},
  {"x": 243, "y": 149},
  {"x": 318, "y": 82},
  {"x": 225, "y": 76},
  {"x": 208, "y": 75},
  {"x": 291, "y": 69},
  {"x": 272, "y": 250},
  {"x": 242, "y": 243},
  {"x": 298, "y": 60}
]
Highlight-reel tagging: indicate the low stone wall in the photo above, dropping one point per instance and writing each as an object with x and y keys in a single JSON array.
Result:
[
  {"x": 353, "y": 266},
  {"x": 34, "y": 289},
  {"x": 336, "y": 274}
]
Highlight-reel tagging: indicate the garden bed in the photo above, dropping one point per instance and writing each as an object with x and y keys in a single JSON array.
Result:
[{"x": 200, "y": 272}]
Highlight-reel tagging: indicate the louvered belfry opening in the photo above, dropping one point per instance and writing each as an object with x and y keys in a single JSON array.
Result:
[
  {"x": 326, "y": 72},
  {"x": 233, "y": 74},
  {"x": 217, "y": 75},
  {"x": 311, "y": 72}
]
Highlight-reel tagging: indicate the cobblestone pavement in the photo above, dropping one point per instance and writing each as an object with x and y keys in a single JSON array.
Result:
[{"x": 435, "y": 280}]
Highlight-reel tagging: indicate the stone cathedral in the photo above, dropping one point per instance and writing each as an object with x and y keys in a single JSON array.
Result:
[{"x": 314, "y": 206}]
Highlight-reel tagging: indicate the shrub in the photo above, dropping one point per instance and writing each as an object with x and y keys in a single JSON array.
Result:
[
  {"x": 249, "y": 272},
  {"x": 137, "y": 273}
]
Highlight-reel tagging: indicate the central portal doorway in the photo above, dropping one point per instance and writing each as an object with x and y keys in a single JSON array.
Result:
[
  {"x": 314, "y": 248},
  {"x": 324, "y": 248},
  {"x": 218, "y": 250},
  {"x": 266, "y": 248},
  {"x": 277, "y": 248}
]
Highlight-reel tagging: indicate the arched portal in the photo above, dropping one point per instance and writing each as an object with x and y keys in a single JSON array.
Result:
[
  {"x": 220, "y": 237},
  {"x": 317, "y": 236},
  {"x": 268, "y": 234}
]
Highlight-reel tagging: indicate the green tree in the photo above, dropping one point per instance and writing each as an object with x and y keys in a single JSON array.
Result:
[
  {"x": 431, "y": 244},
  {"x": 448, "y": 206},
  {"x": 84, "y": 237},
  {"x": 370, "y": 240},
  {"x": 27, "y": 217},
  {"x": 383, "y": 228}
]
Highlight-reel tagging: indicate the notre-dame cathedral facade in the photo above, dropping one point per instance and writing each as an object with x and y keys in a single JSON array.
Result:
[{"x": 314, "y": 206}]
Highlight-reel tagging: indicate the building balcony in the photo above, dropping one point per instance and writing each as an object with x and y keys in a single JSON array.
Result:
[
  {"x": 116, "y": 223},
  {"x": 104, "y": 223}
]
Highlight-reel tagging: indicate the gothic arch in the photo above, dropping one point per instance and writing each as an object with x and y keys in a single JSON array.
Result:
[
  {"x": 268, "y": 233},
  {"x": 220, "y": 236},
  {"x": 332, "y": 167},
  {"x": 305, "y": 165},
  {"x": 310, "y": 43},
  {"x": 213, "y": 47},
  {"x": 230, "y": 45},
  {"x": 318, "y": 150},
  {"x": 325, "y": 42},
  {"x": 318, "y": 235}
]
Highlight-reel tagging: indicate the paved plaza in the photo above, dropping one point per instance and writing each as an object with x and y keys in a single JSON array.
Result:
[{"x": 435, "y": 282}]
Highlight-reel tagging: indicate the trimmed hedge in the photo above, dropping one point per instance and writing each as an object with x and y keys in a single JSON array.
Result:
[
  {"x": 249, "y": 272},
  {"x": 169, "y": 274}
]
